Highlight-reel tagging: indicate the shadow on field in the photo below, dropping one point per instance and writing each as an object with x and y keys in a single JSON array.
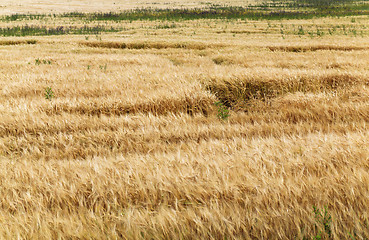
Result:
[
  {"x": 17, "y": 42},
  {"x": 236, "y": 93},
  {"x": 187, "y": 104},
  {"x": 316, "y": 48},
  {"x": 151, "y": 45}
]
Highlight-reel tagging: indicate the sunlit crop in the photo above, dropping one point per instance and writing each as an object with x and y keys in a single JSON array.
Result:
[{"x": 171, "y": 123}]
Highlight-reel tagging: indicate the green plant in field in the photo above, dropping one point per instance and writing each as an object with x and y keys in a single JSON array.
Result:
[
  {"x": 311, "y": 34},
  {"x": 223, "y": 111},
  {"x": 42, "y": 61},
  {"x": 301, "y": 31},
  {"x": 351, "y": 237},
  {"x": 324, "y": 219},
  {"x": 319, "y": 32},
  {"x": 104, "y": 67},
  {"x": 354, "y": 32},
  {"x": 49, "y": 94},
  {"x": 282, "y": 32}
]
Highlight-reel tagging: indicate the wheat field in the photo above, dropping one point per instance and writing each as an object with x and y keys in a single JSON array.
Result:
[
  {"x": 60, "y": 6},
  {"x": 117, "y": 135}
]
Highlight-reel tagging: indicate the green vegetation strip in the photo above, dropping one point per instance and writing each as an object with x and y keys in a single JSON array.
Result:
[
  {"x": 274, "y": 10},
  {"x": 19, "y": 31}
]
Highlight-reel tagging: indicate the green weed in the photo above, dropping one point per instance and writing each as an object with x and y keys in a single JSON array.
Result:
[
  {"x": 104, "y": 67},
  {"x": 301, "y": 31},
  {"x": 42, "y": 61},
  {"x": 223, "y": 111},
  {"x": 324, "y": 218},
  {"x": 49, "y": 94}
]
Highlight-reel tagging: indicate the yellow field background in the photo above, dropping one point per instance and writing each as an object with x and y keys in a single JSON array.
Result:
[
  {"x": 131, "y": 145},
  {"x": 60, "y": 6}
]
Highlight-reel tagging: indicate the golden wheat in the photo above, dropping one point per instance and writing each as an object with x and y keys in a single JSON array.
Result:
[
  {"x": 61, "y": 6},
  {"x": 130, "y": 146}
]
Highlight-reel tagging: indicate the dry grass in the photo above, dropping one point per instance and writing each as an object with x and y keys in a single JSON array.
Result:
[
  {"x": 131, "y": 147},
  {"x": 59, "y": 6}
]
